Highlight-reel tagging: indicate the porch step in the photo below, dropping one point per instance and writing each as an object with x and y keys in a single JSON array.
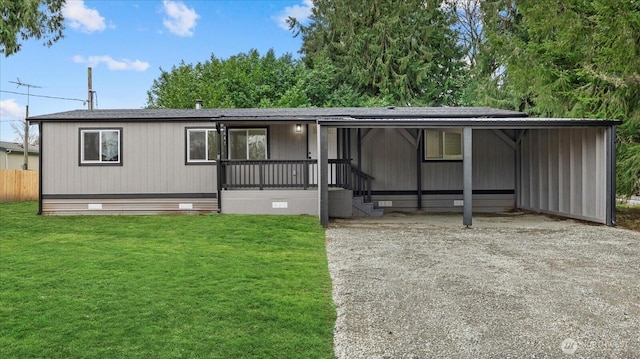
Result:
[{"x": 363, "y": 209}]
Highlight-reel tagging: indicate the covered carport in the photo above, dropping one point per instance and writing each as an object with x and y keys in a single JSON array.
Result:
[{"x": 564, "y": 167}]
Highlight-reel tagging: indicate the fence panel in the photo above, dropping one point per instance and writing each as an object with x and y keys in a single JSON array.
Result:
[{"x": 18, "y": 185}]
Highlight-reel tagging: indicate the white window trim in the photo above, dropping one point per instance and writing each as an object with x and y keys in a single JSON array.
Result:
[
  {"x": 206, "y": 144},
  {"x": 100, "y": 161}
]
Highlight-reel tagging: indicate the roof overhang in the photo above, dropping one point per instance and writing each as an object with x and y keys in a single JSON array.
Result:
[
  {"x": 354, "y": 117},
  {"x": 476, "y": 123}
]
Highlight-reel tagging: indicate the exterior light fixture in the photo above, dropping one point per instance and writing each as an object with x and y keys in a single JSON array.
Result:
[{"x": 298, "y": 128}]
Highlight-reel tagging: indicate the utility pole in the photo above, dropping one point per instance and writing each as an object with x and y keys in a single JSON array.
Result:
[
  {"x": 90, "y": 88},
  {"x": 25, "y": 146}
]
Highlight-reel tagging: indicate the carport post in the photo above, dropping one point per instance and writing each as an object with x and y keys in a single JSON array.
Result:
[
  {"x": 323, "y": 178},
  {"x": 610, "y": 216},
  {"x": 467, "y": 189}
]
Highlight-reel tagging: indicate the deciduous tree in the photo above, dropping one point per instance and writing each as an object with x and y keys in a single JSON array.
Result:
[{"x": 244, "y": 80}]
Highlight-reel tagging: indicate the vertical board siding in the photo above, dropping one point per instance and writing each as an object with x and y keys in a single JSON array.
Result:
[
  {"x": 553, "y": 171},
  {"x": 564, "y": 169},
  {"x": 287, "y": 144},
  {"x": 390, "y": 158},
  {"x": 153, "y": 161},
  {"x": 525, "y": 175},
  {"x": 566, "y": 172},
  {"x": 493, "y": 162},
  {"x": 442, "y": 175},
  {"x": 575, "y": 192}
]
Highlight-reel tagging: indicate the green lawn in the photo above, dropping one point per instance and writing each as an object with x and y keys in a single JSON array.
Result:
[{"x": 218, "y": 286}]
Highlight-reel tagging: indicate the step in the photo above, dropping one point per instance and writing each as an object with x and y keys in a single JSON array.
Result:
[{"x": 362, "y": 208}]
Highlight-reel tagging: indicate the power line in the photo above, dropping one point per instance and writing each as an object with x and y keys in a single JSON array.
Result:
[
  {"x": 84, "y": 102},
  {"x": 26, "y": 123}
]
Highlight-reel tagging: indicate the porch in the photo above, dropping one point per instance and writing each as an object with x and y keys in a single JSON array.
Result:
[{"x": 291, "y": 187}]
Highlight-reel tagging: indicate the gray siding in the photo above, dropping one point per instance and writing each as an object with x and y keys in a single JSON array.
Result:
[
  {"x": 493, "y": 167},
  {"x": 153, "y": 157},
  {"x": 564, "y": 172},
  {"x": 390, "y": 156},
  {"x": 286, "y": 144},
  {"x": 153, "y": 162}
]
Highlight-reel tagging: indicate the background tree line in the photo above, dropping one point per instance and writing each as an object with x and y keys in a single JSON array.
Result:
[{"x": 548, "y": 58}]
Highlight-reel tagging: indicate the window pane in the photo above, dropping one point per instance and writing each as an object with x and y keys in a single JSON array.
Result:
[
  {"x": 91, "y": 146},
  {"x": 452, "y": 145},
  {"x": 212, "y": 151},
  {"x": 433, "y": 142},
  {"x": 110, "y": 146},
  {"x": 197, "y": 145},
  {"x": 238, "y": 144},
  {"x": 257, "y": 144}
]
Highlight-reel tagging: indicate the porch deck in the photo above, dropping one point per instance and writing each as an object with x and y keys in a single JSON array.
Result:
[{"x": 292, "y": 174}]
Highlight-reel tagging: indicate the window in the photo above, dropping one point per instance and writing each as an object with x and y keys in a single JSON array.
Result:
[
  {"x": 443, "y": 144},
  {"x": 202, "y": 145},
  {"x": 100, "y": 146},
  {"x": 248, "y": 144}
]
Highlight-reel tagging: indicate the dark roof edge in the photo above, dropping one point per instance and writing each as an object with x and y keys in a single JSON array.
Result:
[
  {"x": 282, "y": 114},
  {"x": 493, "y": 122}
]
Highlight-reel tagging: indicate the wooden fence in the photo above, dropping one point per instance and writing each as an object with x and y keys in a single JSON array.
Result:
[{"x": 18, "y": 185}]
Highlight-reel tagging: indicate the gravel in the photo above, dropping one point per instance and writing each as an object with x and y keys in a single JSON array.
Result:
[{"x": 511, "y": 286}]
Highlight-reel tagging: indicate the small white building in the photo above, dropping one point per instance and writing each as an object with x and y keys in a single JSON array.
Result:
[{"x": 12, "y": 156}]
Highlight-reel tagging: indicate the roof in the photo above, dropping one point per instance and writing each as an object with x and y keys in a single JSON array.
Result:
[
  {"x": 17, "y": 147},
  {"x": 291, "y": 114},
  {"x": 334, "y": 116}
]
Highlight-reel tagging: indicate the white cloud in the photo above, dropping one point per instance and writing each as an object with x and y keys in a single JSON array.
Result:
[
  {"x": 299, "y": 12},
  {"x": 11, "y": 111},
  {"x": 82, "y": 18},
  {"x": 181, "y": 20},
  {"x": 112, "y": 64}
]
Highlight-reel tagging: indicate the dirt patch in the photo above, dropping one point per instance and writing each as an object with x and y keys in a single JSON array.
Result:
[
  {"x": 513, "y": 285},
  {"x": 629, "y": 218}
]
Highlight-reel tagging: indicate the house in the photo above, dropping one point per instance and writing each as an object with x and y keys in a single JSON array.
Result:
[
  {"x": 12, "y": 156},
  {"x": 326, "y": 162}
]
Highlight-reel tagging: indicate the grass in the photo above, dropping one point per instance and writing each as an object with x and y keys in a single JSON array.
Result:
[
  {"x": 218, "y": 286},
  {"x": 628, "y": 217}
]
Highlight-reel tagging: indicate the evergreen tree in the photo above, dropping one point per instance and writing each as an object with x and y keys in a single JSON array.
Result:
[
  {"x": 570, "y": 58},
  {"x": 398, "y": 52}
]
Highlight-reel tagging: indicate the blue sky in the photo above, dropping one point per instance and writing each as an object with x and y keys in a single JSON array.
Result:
[{"x": 127, "y": 42}]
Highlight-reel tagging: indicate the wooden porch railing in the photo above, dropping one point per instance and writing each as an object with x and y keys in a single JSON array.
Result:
[
  {"x": 361, "y": 184},
  {"x": 292, "y": 174}
]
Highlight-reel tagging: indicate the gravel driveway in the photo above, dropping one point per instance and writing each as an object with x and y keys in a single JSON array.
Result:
[{"x": 513, "y": 285}]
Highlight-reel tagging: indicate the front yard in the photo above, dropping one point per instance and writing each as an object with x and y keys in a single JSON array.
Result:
[{"x": 163, "y": 286}]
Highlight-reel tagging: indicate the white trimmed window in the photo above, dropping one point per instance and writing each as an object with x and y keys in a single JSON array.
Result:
[
  {"x": 100, "y": 146},
  {"x": 248, "y": 144},
  {"x": 202, "y": 145},
  {"x": 443, "y": 144}
]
